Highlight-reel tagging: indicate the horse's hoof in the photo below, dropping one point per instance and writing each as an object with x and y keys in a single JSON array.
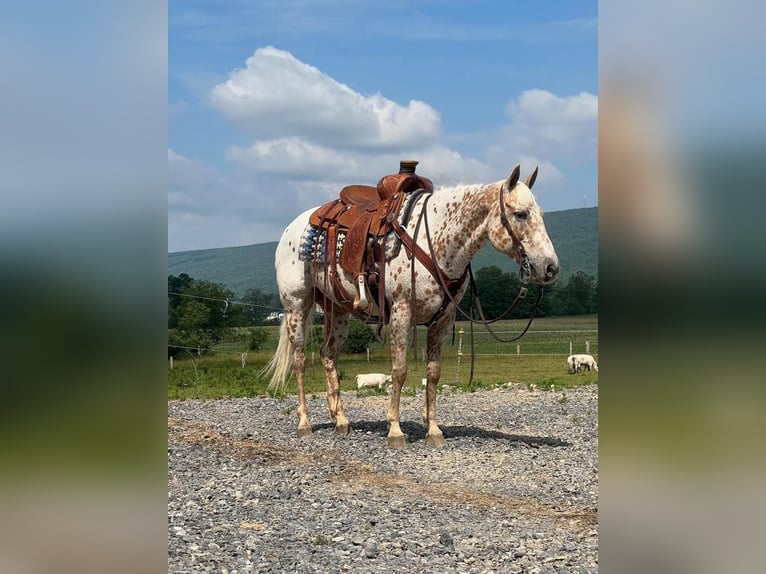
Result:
[
  {"x": 399, "y": 441},
  {"x": 435, "y": 440},
  {"x": 305, "y": 431},
  {"x": 343, "y": 429}
]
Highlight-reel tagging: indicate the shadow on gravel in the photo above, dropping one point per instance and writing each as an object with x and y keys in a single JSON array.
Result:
[
  {"x": 417, "y": 432},
  {"x": 477, "y": 432}
]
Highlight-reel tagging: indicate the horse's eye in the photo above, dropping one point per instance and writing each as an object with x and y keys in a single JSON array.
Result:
[{"x": 521, "y": 215}]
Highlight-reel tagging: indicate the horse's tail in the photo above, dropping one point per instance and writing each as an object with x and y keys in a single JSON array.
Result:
[{"x": 280, "y": 364}]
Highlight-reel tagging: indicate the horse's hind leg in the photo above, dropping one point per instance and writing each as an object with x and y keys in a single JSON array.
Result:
[
  {"x": 296, "y": 330},
  {"x": 330, "y": 352}
]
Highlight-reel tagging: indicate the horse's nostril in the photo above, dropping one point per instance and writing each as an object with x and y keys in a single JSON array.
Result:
[{"x": 552, "y": 270}]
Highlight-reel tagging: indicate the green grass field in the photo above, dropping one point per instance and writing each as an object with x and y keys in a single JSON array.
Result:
[{"x": 541, "y": 361}]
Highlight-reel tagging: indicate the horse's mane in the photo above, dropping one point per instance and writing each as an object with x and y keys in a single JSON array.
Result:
[{"x": 460, "y": 186}]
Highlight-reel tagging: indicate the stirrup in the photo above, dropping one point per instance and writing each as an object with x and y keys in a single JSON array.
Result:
[{"x": 360, "y": 301}]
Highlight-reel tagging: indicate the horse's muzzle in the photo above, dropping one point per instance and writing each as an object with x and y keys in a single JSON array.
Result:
[{"x": 551, "y": 271}]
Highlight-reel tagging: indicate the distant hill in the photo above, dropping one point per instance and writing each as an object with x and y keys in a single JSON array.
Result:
[
  {"x": 239, "y": 268},
  {"x": 574, "y": 233}
]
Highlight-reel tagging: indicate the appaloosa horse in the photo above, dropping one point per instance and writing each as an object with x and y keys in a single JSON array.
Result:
[{"x": 459, "y": 221}]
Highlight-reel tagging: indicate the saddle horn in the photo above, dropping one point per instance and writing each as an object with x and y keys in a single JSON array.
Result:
[
  {"x": 530, "y": 181},
  {"x": 513, "y": 179}
]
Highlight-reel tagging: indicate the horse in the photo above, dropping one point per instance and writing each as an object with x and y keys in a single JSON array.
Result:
[{"x": 457, "y": 221}]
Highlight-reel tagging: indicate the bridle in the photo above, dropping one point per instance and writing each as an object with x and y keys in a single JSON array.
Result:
[
  {"x": 524, "y": 270},
  {"x": 524, "y": 274}
]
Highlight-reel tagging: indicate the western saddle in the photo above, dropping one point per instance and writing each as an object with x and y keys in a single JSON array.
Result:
[{"x": 355, "y": 227}]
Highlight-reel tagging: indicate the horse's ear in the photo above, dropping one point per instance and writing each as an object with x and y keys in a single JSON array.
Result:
[
  {"x": 513, "y": 179},
  {"x": 530, "y": 181}
]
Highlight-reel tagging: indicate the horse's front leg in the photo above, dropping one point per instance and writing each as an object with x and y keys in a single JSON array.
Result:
[
  {"x": 399, "y": 326},
  {"x": 437, "y": 334},
  {"x": 330, "y": 352}
]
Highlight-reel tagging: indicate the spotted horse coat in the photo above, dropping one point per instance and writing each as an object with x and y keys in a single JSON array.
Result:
[{"x": 461, "y": 219}]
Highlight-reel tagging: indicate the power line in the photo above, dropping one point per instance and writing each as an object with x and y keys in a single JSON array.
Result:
[{"x": 227, "y": 301}]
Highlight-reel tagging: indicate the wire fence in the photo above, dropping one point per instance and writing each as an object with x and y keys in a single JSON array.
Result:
[{"x": 542, "y": 342}]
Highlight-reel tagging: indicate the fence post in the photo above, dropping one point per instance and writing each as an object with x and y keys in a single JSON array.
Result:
[
  {"x": 570, "y": 347},
  {"x": 244, "y": 359},
  {"x": 587, "y": 346},
  {"x": 459, "y": 354},
  {"x": 312, "y": 358},
  {"x": 171, "y": 363},
  {"x": 518, "y": 349},
  {"x": 424, "y": 354},
  {"x": 368, "y": 354}
]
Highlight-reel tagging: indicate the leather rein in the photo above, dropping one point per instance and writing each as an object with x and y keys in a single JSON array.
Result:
[
  {"x": 450, "y": 287},
  {"x": 523, "y": 276}
]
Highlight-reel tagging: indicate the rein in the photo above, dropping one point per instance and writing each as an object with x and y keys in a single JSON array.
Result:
[
  {"x": 450, "y": 287},
  {"x": 474, "y": 294},
  {"x": 523, "y": 273}
]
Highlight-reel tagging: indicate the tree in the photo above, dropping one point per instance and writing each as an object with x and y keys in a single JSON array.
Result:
[
  {"x": 496, "y": 290},
  {"x": 579, "y": 295},
  {"x": 257, "y": 338},
  {"x": 360, "y": 335},
  {"x": 198, "y": 312},
  {"x": 176, "y": 287},
  {"x": 359, "y": 338},
  {"x": 194, "y": 316},
  {"x": 198, "y": 341},
  {"x": 260, "y": 305}
]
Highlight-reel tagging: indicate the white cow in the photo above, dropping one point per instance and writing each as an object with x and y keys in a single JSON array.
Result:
[
  {"x": 372, "y": 380},
  {"x": 577, "y": 362}
]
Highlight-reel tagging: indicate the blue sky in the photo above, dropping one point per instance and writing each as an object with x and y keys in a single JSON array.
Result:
[{"x": 275, "y": 105}]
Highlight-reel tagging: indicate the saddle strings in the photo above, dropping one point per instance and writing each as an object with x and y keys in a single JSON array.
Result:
[{"x": 421, "y": 216}]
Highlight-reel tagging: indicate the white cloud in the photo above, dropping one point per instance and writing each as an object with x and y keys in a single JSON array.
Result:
[
  {"x": 317, "y": 171},
  {"x": 294, "y": 158},
  {"x": 311, "y": 135},
  {"x": 301, "y": 160},
  {"x": 551, "y": 126},
  {"x": 311, "y": 128},
  {"x": 550, "y": 176},
  {"x": 277, "y": 95},
  {"x": 211, "y": 208}
]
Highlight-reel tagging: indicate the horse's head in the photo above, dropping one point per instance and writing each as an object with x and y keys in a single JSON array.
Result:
[{"x": 516, "y": 227}]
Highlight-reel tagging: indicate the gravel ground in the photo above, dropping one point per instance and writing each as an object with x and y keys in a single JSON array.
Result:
[{"x": 514, "y": 490}]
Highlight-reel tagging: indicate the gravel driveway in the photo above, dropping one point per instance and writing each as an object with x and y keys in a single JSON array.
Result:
[{"x": 514, "y": 490}]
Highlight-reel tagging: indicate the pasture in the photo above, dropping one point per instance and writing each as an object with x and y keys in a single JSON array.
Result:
[{"x": 541, "y": 361}]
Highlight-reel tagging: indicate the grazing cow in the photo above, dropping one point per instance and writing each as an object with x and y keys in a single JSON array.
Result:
[
  {"x": 372, "y": 380},
  {"x": 577, "y": 362}
]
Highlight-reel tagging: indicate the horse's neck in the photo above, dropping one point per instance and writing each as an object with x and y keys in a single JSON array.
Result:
[{"x": 457, "y": 219}]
